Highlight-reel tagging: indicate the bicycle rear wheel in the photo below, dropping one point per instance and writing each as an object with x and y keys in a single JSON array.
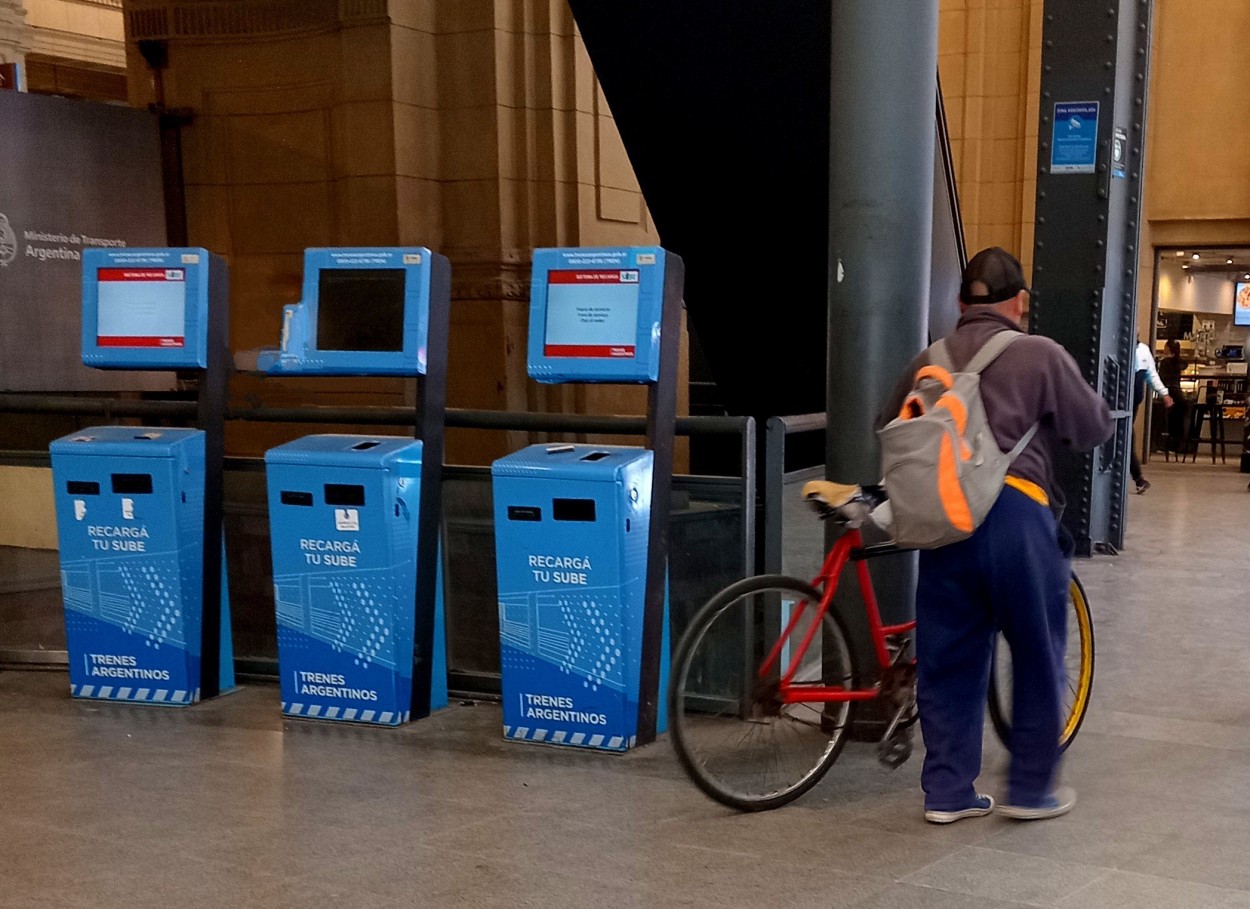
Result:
[
  {"x": 735, "y": 737},
  {"x": 1079, "y": 670}
]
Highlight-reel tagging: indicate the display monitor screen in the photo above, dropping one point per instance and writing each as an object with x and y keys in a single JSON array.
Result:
[
  {"x": 1241, "y": 303},
  {"x": 141, "y": 307},
  {"x": 592, "y": 313},
  {"x": 360, "y": 309}
]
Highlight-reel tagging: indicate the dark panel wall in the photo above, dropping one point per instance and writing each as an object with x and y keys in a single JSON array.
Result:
[
  {"x": 723, "y": 106},
  {"x": 75, "y": 174},
  {"x": 724, "y": 110}
]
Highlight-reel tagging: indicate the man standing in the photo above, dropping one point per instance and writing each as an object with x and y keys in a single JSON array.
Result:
[
  {"x": 1012, "y": 574},
  {"x": 1170, "y": 369},
  {"x": 1144, "y": 371}
]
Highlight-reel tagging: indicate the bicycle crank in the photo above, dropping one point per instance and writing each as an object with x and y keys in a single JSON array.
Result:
[
  {"x": 896, "y": 745},
  {"x": 895, "y": 751}
]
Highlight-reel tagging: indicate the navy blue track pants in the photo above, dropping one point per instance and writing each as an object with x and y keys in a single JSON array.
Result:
[{"x": 1011, "y": 575}]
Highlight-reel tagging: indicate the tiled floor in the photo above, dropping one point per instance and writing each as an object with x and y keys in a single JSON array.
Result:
[{"x": 225, "y": 805}]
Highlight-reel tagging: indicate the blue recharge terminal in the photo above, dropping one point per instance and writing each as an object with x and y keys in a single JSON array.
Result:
[
  {"x": 138, "y": 509},
  {"x": 571, "y": 539},
  {"x": 354, "y": 520},
  {"x": 147, "y": 308},
  {"x": 364, "y": 312},
  {"x": 130, "y": 522},
  {"x": 581, "y": 531},
  {"x": 595, "y": 315},
  {"x": 343, "y": 521}
]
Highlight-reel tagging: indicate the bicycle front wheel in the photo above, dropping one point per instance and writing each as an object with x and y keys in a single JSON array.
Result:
[
  {"x": 737, "y": 736},
  {"x": 1078, "y": 683}
]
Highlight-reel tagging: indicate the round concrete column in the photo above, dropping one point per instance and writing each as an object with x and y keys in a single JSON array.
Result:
[{"x": 884, "y": 96}]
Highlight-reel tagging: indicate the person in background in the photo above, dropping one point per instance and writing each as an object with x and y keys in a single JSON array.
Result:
[
  {"x": 1144, "y": 372},
  {"x": 1170, "y": 369}
]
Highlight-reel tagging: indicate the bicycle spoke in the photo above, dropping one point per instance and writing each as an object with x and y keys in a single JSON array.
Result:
[{"x": 736, "y": 736}]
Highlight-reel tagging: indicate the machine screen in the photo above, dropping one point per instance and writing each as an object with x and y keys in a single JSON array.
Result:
[
  {"x": 141, "y": 307},
  {"x": 1241, "y": 308},
  {"x": 360, "y": 309},
  {"x": 592, "y": 313}
]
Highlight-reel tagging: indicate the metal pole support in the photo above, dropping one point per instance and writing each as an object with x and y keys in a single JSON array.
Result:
[
  {"x": 884, "y": 82},
  {"x": 1095, "y": 73}
]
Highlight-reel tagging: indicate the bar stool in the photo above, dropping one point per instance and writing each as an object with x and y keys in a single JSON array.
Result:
[{"x": 1213, "y": 414}]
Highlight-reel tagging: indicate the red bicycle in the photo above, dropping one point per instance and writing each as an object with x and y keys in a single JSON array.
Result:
[{"x": 765, "y": 679}]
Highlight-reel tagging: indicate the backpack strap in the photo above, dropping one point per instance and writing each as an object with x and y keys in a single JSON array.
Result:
[
  {"x": 988, "y": 353},
  {"x": 940, "y": 355},
  {"x": 1023, "y": 443},
  {"x": 991, "y": 349}
]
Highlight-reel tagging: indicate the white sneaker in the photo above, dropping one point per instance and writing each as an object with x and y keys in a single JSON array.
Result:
[
  {"x": 1057, "y": 804},
  {"x": 980, "y": 807}
]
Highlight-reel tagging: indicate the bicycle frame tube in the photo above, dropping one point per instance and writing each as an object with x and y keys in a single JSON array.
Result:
[
  {"x": 842, "y": 552},
  {"x": 879, "y": 631},
  {"x": 832, "y": 568}
]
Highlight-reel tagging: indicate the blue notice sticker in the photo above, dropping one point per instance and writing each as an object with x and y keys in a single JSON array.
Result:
[{"x": 1074, "y": 145}]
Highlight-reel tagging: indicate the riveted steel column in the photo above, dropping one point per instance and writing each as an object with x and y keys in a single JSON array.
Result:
[
  {"x": 884, "y": 84},
  {"x": 1087, "y": 233}
]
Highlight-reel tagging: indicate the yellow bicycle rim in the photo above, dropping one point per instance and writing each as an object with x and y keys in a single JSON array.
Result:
[{"x": 1085, "y": 681}]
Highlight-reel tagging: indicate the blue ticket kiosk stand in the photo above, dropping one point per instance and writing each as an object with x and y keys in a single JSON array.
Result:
[
  {"x": 572, "y": 549},
  {"x": 344, "y": 525},
  {"x": 354, "y": 520},
  {"x": 139, "y": 511},
  {"x": 130, "y": 509},
  {"x": 581, "y": 531}
]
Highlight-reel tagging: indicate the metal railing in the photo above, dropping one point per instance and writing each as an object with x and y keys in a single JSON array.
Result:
[
  {"x": 742, "y": 488},
  {"x": 774, "y": 479},
  {"x": 457, "y": 418}
]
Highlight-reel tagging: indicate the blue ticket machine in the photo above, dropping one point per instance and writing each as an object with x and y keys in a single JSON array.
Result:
[
  {"x": 149, "y": 308},
  {"x": 138, "y": 509},
  {"x": 130, "y": 520},
  {"x": 581, "y": 530},
  {"x": 343, "y": 524},
  {"x": 572, "y": 524},
  {"x": 354, "y": 520}
]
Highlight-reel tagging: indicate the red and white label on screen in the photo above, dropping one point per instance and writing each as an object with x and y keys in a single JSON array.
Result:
[
  {"x": 592, "y": 313},
  {"x": 141, "y": 307}
]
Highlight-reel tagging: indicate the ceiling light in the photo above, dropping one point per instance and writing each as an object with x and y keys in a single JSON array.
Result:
[
  {"x": 1228, "y": 261},
  {"x": 1184, "y": 268},
  {"x": 1195, "y": 257},
  {"x": 1179, "y": 253}
]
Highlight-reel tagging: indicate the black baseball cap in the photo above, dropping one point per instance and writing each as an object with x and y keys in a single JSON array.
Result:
[{"x": 999, "y": 271}]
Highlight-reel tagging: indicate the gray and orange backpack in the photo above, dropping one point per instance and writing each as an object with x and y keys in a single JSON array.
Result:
[{"x": 942, "y": 467}]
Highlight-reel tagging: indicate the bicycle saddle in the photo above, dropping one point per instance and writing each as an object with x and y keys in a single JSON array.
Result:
[
  {"x": 844, "y": 502},
  {"x": 824, "y": 495}
]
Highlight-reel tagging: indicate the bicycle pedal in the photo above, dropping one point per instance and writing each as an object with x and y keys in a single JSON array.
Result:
[
  {"x": 897, "y": 752},
  {"x": 897, "y": 745}
]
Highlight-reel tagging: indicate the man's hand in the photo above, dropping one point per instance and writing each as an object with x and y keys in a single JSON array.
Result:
[{"x": 1167, "y": 401}]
